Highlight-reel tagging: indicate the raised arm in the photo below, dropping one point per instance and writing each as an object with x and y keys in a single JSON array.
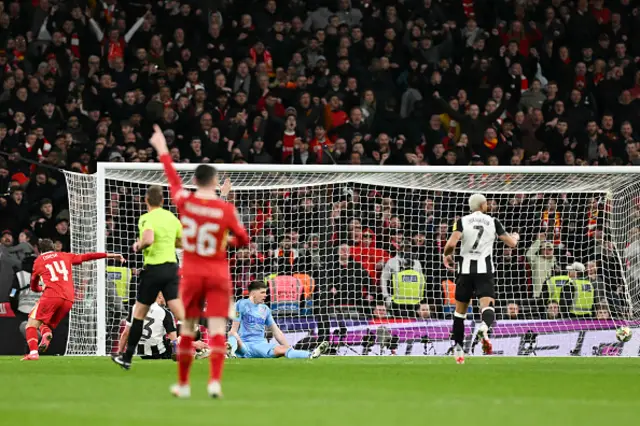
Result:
[
  {"x": 132, "y": 31},
  {"x": 96, "y": 29},
  {"x": 159, "y": 143},
  {"x": 456, "y": 115},
  {"x": 534, "y": 249}
]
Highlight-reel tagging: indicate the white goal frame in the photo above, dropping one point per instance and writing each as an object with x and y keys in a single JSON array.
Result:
[{"x": 103, "y": 167}]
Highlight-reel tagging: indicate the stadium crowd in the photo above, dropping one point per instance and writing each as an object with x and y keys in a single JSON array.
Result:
[{"x": 406, "y": 82}]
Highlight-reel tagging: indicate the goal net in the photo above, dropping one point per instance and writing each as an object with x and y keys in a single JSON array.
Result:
[{"x": 353, "y": 255}]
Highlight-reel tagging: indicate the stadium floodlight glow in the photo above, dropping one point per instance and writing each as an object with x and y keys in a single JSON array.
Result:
[{"x": 586, "y": 214}]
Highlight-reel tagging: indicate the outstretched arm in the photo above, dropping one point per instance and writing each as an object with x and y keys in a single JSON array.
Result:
[{"x": 86, "y": 257}]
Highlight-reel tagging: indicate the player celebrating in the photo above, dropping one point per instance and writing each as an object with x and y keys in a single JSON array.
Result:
[
  {"x": 160, "y": 233},
  {"x": 475, "y": 275},
  {"x": 55, "y": 272},
  {"x": 205, "y": 270},
  {"x": 246, "y": 338}
]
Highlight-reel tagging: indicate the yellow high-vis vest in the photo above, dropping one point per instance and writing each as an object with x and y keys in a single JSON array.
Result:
[{"x": 408, "y": 287}]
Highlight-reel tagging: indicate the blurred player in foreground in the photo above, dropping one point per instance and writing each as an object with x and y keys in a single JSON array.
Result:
[
  {"x": 207, "y": 221},
  {"x": 253, "y": 317},
  {"x": 475, "y": 274},
  {"x": 54, "y": 269}
]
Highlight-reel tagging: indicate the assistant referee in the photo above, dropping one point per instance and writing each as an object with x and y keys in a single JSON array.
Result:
[{"x": 160, "y": 234}]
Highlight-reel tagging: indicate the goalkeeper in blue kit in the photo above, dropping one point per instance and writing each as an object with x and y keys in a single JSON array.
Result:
[{"x": 247, "y": 336}]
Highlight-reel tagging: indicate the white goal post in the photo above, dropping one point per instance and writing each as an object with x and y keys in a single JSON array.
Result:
[{"x": 353, "y": 254}]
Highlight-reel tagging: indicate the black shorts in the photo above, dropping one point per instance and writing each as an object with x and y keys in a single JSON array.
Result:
[
  {"x": 474, "y": 285},
  {"x": 158, "y": 278}
]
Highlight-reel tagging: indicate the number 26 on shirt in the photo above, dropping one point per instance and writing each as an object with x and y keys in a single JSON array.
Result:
[{"x": 199, "y": 239}]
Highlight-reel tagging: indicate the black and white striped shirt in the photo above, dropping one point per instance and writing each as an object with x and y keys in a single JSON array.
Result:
[
  {"x": 158, "y": 323},
  {"x": 479, "y": 232}
]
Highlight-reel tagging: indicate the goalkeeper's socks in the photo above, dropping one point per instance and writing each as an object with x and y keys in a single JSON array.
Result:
[
  {"x": 32, "y": 339},
  {"x": 135, "y": 333},
  {"x": 185, "y": 358},
  {"x": 458, "y": 328},
  {"x": 293, "y": 354},
  {"x": 488, "y": 316},
  {"x": 218, "y": 346}
]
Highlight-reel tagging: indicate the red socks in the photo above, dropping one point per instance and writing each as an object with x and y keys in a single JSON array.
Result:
[
  {"x": 216, "y": 359},
  {"x": 32, "y": 338},
  {"x": 44, "y": 329},
  {"x": 185, "y": 358}
]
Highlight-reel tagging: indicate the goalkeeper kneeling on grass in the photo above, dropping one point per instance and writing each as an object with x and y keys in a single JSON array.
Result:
[{"x": 247, "y": 335}]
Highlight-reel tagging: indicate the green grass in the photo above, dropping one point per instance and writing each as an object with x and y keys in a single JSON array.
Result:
[{"x": 330, "y": 391}]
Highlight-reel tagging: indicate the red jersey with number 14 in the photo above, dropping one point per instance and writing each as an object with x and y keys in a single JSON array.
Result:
[
  {"x": 54, "y": 268},
  {"x": 206, "y": 225}
]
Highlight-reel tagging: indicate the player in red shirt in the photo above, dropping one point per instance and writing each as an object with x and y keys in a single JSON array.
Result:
[
  {"x": 52, "y": 275},
  {"x": 205, "y": 281}
]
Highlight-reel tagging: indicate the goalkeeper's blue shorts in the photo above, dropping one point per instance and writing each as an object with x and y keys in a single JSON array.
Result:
[{"x": 257, "y": 350}]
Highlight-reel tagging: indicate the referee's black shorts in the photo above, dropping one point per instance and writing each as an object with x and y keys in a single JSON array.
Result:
[
  {"x": 158, "y": 278},
  {"x": 469, "y": 286}
]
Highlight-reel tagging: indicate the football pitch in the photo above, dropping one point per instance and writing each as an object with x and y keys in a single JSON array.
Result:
[{"x": 329, "y": 391}]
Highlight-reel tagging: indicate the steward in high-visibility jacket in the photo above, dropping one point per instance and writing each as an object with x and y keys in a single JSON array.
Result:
[
  {"x": 402, "y": 281},
  {"x": 578, "y": 298}
]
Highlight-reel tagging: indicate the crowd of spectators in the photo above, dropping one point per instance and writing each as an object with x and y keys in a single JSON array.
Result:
[{"x": 406, "y": 82}]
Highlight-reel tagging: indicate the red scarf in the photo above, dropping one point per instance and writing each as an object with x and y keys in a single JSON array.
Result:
[
  {"x": 288, "y": 141},
  {"x": 557, "y": 225},
  {"x": 491, "y": 143},
  {"x": 115, "y": 50},
  {"x": 524, "y": 84},
  {"x": 592, "y": 222},
  {"x": 75, "y": 45},
  {"x": 265, "y": 57},
  {"x": 468, "y": 7},
  {"x": 318, "y": 146}
]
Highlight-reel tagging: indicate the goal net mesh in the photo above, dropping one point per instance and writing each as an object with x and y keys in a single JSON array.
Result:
[{"x": 356, "y": 258}]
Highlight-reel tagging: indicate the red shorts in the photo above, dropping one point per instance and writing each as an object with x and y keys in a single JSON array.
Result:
[
  {"x": 210, "y": 293},
  {"x": 51, "y": 310}
]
